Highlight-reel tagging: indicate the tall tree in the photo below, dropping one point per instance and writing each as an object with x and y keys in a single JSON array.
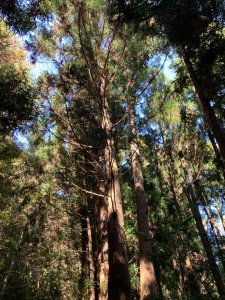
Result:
[
  {"x": 148, "y": 284},
  {"x": 192, "y": 23}
]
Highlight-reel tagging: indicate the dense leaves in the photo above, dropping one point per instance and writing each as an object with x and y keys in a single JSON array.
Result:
[{"x": 120, "y": 169}]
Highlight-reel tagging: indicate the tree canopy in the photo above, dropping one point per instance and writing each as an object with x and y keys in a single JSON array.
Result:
[{"x": 112, "y": 160}]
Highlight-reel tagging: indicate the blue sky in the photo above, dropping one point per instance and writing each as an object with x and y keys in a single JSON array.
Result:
[{"x": 42, "y": 65}]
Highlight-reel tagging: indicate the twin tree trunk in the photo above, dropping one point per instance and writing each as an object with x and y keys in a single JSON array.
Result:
[
  {"x": 148, "y": 284},
  {"x": 207, "y": 109},
  {"x": 118, "y": 281}
]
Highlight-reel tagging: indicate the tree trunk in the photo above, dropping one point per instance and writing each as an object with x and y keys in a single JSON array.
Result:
[
  {"x": 103, "y": 257},
  {"x": 193, "y": 288},
  {"x": 205, "y": 202},
  {"x": 209, "y": 114},
  {"x": 202, "y": 233},
  {"x": 178, "y": 268},
  {"x": 83, "y": 247},
  {"x": 219, "y": 159},
  {"x": 222, "y": 217},
  {"x": 91, "y": 261},
  {"x": 158, "y": 280},
  {"x": 98, "y": 221},
  {"x": 192, "y": 285},
  {"x": 119, "y": 283},
  {"x": 148, "y": 283},
  {"x": 206, "y": 244}
]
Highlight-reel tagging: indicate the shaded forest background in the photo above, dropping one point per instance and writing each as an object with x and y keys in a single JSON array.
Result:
[{"x": 112, "y": 158}]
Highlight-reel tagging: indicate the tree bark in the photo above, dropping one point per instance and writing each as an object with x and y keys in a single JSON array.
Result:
[
  {"x": 205, "y": 202},
  {"x": 83, "y": 246},
  {"x": 206, "y": 244},
  {"x": 219, "y": 159},
  {"x": 103, "y": 247},
  {"x": 91, "y": 261},
  {"x": 192, "y": 285},
  {"x": 148, "y": 283},
  {"x": 207, "y": 109},
  {"x": 202, "y": 233},
  {"x": 119, "y": 283}
]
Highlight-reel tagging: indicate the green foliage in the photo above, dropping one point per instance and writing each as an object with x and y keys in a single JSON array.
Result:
[
  {"x": 16, "y": 98},
  {"x": 49, "y": 190}
]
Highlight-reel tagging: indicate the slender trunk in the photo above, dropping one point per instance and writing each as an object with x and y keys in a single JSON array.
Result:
[
  {"x": 91, "y": 261},
  {"x": 192, "y": 285},
  {"x": 103, "y": 258},
  {"x": 217, "y": 153},
  {"x": 97, "y": 223},
  {"x": 148, "y": 283},
  {"x": 214, "y": 234},
  {"x": 222, "y": 217},
  {"x": 158, "y": 279},
  {"x": 119, "y": 283},
  {"x": 193, "y": 288},
  {"x": 207, "y": 246},
  {"x": 181, "y": 291},
  {"x": 209, "y": 114},
  {"x": 202, "y": 233},
  {"x": 209, "y": 214},
  {"x": 83, "y": 257}
]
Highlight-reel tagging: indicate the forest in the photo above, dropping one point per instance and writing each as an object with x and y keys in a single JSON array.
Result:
[{"x": 112, "y": 150}]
